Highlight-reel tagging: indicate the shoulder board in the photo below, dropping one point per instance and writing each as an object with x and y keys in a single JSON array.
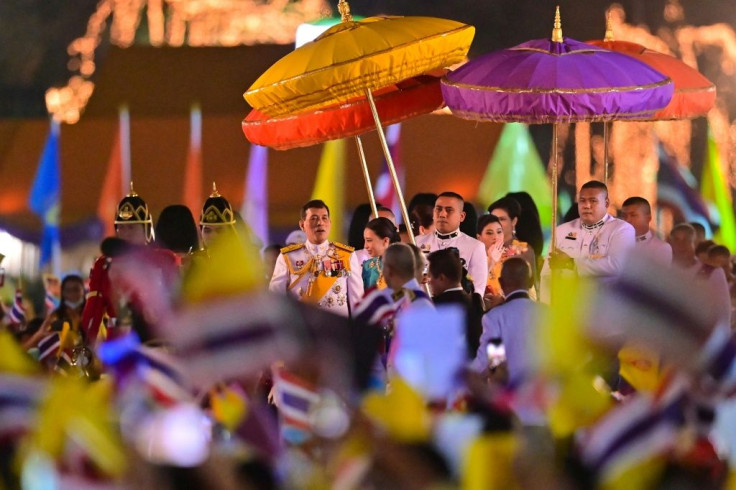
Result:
[
  {"x": 342, "y": 246},
  {"x": 291, "y": 248}
]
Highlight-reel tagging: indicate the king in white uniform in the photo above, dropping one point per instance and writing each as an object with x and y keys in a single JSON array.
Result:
[
  {"x": 596, "y": 244},
  {"x": 318, "y": 271},
  {"x": 448, "y": 214}
]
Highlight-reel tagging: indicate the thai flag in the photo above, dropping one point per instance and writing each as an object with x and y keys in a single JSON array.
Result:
[
  {"x": 294, "y": 399},
  {"x": 152, "y": 370},
  {"x": 244, "y": 334},
  {"x": 19, "y": 398},
  {"x": 51, "y": 302},
  {"x": 640, "y": 429},
  {"x": 18, "y": 312}
]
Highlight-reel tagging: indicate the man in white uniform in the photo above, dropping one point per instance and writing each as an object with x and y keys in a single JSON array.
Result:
[
  {"x": 324, "y": 273},
  {"x": 448, "y": 214},
  {"x": 638, "y": 213},
  {"x": 682, "y": 239},
  {"x": 596, "y": 244}
]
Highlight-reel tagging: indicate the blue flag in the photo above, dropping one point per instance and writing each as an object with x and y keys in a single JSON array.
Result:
[{"x": 45, "y": 198}]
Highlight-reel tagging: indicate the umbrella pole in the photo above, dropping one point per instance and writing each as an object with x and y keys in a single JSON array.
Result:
[
  {"x": 605, "y": 152},
  {"x": 554, "y": 188},
  {"x": 390, "y": 162},
  {"x": 366, "y": 176}
]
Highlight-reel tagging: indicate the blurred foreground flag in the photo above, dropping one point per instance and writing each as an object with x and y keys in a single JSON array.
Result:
[{"x": 45, "y": 199}]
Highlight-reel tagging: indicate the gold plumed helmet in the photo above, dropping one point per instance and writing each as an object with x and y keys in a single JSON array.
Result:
[
  {"x": 132, "y": 209},
  {"x": 216, "y": 210}
]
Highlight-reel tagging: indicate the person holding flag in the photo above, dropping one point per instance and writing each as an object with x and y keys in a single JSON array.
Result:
[{"x": 133, "y": 228}]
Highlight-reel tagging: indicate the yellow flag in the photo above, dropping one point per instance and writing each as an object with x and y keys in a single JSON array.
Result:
[
  {"x": 330, "y": 184},
  {"x": 233, "y": 266},
  {"x": 79, "y": 411},
  {"x": 568, "y": 359},
  {"x": 402, "y": 412},
  {"x": 488, "y": 463},
  {"x": 229, "y": 406},
  {"x": 12, "y": 357}
]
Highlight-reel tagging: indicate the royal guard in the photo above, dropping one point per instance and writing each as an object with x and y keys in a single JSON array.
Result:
[
  {"x": 324, "y": 273},
  {"x": 217, "y": 217},
  {"x": 133, "y": 230}
]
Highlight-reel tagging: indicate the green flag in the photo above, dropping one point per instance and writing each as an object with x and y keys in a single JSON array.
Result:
[
  {"x": 716, "y": 191},
  {"x": 515, "y": 166},
  {"x": 330, "y": 184}
]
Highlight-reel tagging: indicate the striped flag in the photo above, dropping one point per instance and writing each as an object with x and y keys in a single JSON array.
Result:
[
  {"x": 152, "y": 372},
  {"x": 255, "y": 203},
  {"x": 244, "y": 334},
  {"x": 294, "y": 398},
  {"x": 636, "y": 432},
  {"x": 51, "y": 302},
  {"x": 330, "y": 184},
  {"x": 17, "y": 312},
  {"x": 19, "y": 398}
]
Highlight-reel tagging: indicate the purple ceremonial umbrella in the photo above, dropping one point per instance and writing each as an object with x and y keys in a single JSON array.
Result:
[{"x": 555, "y": 80}]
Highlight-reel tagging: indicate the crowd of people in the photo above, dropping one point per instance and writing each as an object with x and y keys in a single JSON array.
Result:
[{"x": 364, "y": 352}]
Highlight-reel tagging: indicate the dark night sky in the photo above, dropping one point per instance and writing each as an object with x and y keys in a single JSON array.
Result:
[{"x": 34, "y": 34}]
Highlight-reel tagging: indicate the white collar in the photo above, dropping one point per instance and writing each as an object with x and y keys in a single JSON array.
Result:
[
  {"x": 596, "y": 225},
  {"x": 446, "y": 236},
  {"x": 645, "y": 237},
  {"x": 459, "y": 288},
  {"x": 314, "y": 248}
]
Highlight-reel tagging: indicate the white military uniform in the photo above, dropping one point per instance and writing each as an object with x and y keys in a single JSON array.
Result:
[
  {"x": 598, "y": 250},
  {"x": 327, "y": 275},
  {"x": 472, "y": 253},
  {"x": 654, "y": 247}
]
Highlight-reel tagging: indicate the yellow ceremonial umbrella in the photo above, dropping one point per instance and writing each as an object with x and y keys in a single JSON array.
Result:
[{"x": 355, "y": 58}]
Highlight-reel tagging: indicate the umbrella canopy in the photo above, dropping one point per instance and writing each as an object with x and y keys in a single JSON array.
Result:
[
  {"x": 396, "y": 103},
  {"x": 694, "y": 95},
  {"x": 558, "y": 80},
  {"x": 354, "y": 56}
]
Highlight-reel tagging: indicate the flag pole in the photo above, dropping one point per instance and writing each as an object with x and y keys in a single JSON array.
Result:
[
  {"x": 390, "y": 162},
  {"x": 366, "y": 176}
]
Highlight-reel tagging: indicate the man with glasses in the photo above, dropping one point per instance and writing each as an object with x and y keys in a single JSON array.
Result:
[
  {"x": 318, "y": 271},
  {"x": 448, "y": 214}
]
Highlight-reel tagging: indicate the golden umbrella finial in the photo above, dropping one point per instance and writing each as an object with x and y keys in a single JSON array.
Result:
[
  {"x": 557, "y": 31},
  {"x": 132, "y": 192},
  {"x": 344, "y": 9},
  {"x": 214, "y": 190},
  {"x": 609, "y": 28}
]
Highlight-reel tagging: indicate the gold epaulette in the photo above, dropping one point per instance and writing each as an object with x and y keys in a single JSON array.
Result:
[
  {"x": 291, "y": 248},
  {"x": 342, "y": 246}
]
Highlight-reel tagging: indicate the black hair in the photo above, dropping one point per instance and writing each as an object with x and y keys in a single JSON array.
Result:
[
  {"x": 361, "y": 216},
  {"x": 469, "y": 224},
  {"x": 486, "y": 220},
  {"x": 176, "y": 229},
  {"x": 447, "y": 262},
  {"x": 529, "y": 225},
  {"x": 595, "y": 184},
  {"x": 637, "y": 201},
  {"x": 314, "y": 204},
  {"x": 451, "y": 194},
  {"x": 384, "y": 228},
  {"x": 421, "y": 215},
  {"x": 508, "y": 204}
]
